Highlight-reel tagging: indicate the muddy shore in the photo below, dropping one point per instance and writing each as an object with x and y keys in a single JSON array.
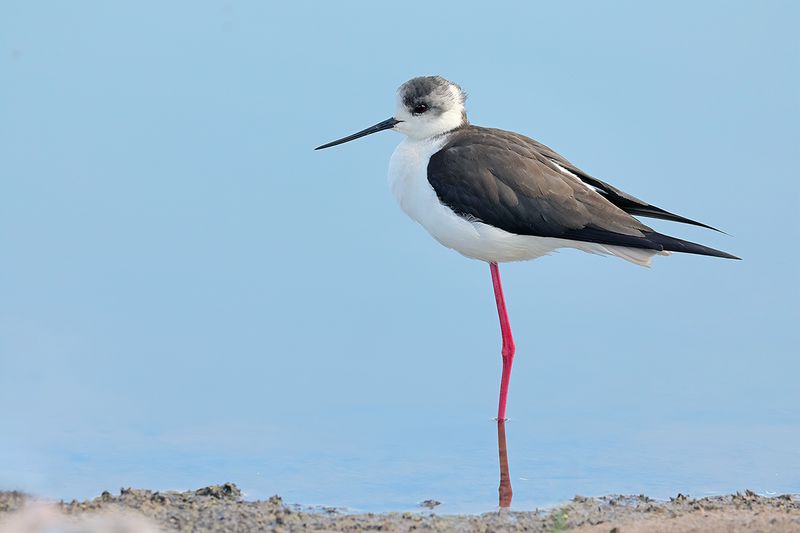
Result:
[{"x": 221, "y": 508}]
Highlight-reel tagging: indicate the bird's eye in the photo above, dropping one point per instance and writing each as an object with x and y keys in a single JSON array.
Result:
[{"x": 420, "y": 108}]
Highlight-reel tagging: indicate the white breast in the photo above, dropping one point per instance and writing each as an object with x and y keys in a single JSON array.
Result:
[{"x": 408, "y": 180}]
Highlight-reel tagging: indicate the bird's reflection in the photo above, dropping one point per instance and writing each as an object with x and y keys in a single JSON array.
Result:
[{"x": 505, "y": 480}]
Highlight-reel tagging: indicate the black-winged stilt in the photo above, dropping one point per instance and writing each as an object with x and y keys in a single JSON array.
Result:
[{"x": 499, "y": 196}]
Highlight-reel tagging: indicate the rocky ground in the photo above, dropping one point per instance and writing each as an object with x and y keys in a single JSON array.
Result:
[{"x": 221, "y": 508}]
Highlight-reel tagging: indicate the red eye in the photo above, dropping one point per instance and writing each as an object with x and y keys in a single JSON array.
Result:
[{"x": 420, "y": 108}]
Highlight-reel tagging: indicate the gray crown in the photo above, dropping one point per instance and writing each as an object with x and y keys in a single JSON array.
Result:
[{"x": 433, "y": 91}]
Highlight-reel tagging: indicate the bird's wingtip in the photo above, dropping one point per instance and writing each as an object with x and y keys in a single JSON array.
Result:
[{"x": 719, "y": 230}]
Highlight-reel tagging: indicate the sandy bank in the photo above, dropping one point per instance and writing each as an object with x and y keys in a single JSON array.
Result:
[{"x": 221, "y": 508}]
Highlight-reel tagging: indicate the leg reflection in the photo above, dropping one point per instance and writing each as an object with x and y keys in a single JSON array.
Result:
[{"x": 505, "y": 479}]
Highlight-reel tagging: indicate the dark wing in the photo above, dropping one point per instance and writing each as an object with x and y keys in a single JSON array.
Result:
[
  {"x": 504, "y": 179},
  {"x": 628, "y": 203}
]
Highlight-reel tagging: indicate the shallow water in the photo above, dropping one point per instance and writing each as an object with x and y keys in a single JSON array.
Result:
[{"x": 365, "y": 464}]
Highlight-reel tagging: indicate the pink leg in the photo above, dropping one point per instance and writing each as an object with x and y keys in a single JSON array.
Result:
[
  {"x": 508, "y": 340},
  {"x": 504, "y": 490}
]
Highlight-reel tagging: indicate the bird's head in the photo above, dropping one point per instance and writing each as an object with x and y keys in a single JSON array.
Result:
[{"x": 426, "y": 107}]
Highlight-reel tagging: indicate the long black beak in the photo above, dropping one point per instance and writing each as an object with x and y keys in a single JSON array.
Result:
[{"x": 380, "y": 126}]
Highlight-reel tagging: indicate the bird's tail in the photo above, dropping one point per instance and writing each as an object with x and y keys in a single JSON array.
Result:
[{"x": 671, "y": 244}]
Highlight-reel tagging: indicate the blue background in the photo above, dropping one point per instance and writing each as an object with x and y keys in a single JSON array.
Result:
[{"x": 190, "y": 295}]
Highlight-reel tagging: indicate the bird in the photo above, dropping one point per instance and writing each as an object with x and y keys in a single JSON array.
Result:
[{"x": 499, "y": 196}]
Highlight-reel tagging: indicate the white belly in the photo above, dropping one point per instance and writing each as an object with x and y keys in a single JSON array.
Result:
[{"x": 408, "y": 180}]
